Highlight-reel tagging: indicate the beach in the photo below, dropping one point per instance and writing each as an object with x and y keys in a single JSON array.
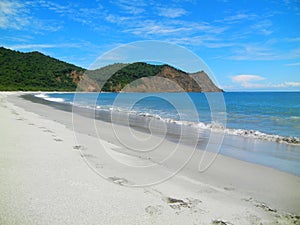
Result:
[{"x": 46, "y": 179}]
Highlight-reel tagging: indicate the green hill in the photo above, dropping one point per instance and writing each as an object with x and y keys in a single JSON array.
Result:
[{"x": 35, "y": 71}]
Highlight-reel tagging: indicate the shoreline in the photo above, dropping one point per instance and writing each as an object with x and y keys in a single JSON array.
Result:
[
  {"x": 230, "y": 190},
  {"x": 242, "y": 132},
  {"x": 233, "y": 144}
]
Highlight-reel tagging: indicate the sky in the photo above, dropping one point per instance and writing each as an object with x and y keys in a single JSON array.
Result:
[{"x": 249, "y": 45}]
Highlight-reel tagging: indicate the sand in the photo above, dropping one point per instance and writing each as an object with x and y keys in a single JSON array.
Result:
[{"x": 45, "y": 179}]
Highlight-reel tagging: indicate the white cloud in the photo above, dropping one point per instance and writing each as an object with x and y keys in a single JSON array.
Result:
[
  {"x": 293, "y": 64},
  {"x": 207, "y": 40},
  {"x": 246, "y": 78},
  {"x": 246, "y": 81},
  {"x": 252, "y": 52},
  {"x": 117, "y": 19},
  {"x": 240, "y": 17},
  {"x": 30, "y": 46},
  {"x": 172, "y": 29},
  {"x": 13, "y": 15},
  {"x": 44, "y": 46},
  {"x": 251, "y": 82},
  {"x": 133, "y": 7},
  {"x": 257, "y": 52},
  {"x": 18, "y": 15},
  {"x": 263, "y": 27},
  {"x": 172, "y": 12},
  {"x": 253, "y": 85},
  {"x": 170, "y": 24},
  {"x": 55, "y": 7},
  {"x": 151, "y": 28},
  {"x": 287, "y": 84},
  {"x": 73, "y": 11}
]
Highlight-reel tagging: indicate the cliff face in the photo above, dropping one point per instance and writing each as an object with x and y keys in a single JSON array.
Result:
[
  {"x": 84, "y": 83},
  {"x": 205, "y": 82},
  {"x": 184, "y": 81}
]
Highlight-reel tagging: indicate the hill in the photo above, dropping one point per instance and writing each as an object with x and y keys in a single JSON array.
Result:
[
  {"x": 34, "y": 71},
  {"x": 143, "y": 77}
]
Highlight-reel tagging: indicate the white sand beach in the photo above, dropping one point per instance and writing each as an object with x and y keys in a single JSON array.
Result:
[{"x": 45, "y": 180}]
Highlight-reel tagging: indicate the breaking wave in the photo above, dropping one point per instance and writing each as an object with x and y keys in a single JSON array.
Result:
[{"x": 51, "y": 99}]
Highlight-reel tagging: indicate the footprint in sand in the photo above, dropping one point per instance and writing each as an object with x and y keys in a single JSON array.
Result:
[
  {"x": 57, "y": 139},
  {"x": 220, "y": 222},
  {"x": 282, "y": 218},
  {"x": 154, "y": 209},
  {"x": 48, "y": 131},
  {"x": 207, "y": 190},
  {"x": 79, "y": 147},
  {"x": 15, "y": 113},
  {"x": 179, "y": 204},
  {"x": 118, "y": 180},
  {"x": 229, "y": 188}
]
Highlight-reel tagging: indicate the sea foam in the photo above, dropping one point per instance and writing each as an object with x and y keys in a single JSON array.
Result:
[{"x": 51, "y": 99}]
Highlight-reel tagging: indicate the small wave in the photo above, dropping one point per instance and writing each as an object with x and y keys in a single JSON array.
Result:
[
  {"x": 41, "y": 95},
  {"x": 263, "y": 136},
  {"x": 55, "y": 99},
  {"x": 219, "y": 127},
  {"x": 149, "y": 115},
  {"x": 214, "y": 126},
  {"x": 114, "y": 109},
  {"x": 46, "y": 97},
  {"x": 294, "y": 118}
]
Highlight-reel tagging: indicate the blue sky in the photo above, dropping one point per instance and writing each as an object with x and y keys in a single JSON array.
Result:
[{"x": 249, "y": 45}]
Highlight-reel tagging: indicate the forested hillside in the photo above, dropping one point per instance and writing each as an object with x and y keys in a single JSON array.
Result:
[{"x": 35, "y": 71}]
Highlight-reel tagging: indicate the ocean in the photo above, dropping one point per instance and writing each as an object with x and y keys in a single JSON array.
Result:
[{"x": 259, "y": 127}]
